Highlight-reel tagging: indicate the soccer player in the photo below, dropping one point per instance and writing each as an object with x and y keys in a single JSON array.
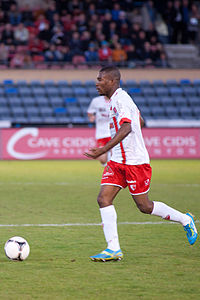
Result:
[
  {"x": 98, "y": 112},
  {"x": 129, "y": 166}
]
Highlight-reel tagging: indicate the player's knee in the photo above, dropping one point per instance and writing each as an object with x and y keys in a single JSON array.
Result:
[
  {"x": 145, "y": 208},
  {"x": 101, "y": 199}
]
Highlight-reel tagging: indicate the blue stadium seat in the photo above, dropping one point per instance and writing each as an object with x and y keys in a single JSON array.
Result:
[
  {"x": 90, "y": 83},
  {"x": 198, "y": 91},
  {"x": 172, "y": 83},
  {"x": 25, "y": 91},
  {"x": 76, "y": 83},
  {"x": 172, "y": 112},
  {"x": 60, "y": 111},
  {"x": 66, "y": 91},
  {"x": 46, "y": 111},
  {"x": 14, "y": 101},
  {"x": 11, "y": 91},
  {"x": 8, "y": 82},
  {"x": 134, "y": 91},
  {"x": 131, "y": 83},
  {"x": 85, "y": 101},
  {"x": 20, "y": 120},
  {"x": 28, "y": 101},
  {"x": 49, "y": 83},
  {"x": 189, "y": 91},
  {"x": 145, "y": 112},
  {"x": 63, "y": 120},
  {"x": 70, "y": 100},
  {"x": 35, "y": 120},
  {"x": 196, "y": 112},
  {"x": 74, "y": 111},
  {"x": 175, "y": 91},
  {"x": 80, "y": 91},
  {"x": 140, "y": 100},
  {"x": 161, "y": 91},
  {"x": 92, "y": 92},
  {"x": 157, "y": 112},
  {"x": 4, "y": 113},
  {"x": 79, "y": 120},
  {"x": 196, "y": 82},
  {"x": 17, "y": 111},
  {"x": 32, "y": 111},
  {"x": 2, "y": 91},
  {"x": 193, "y": 101},
  {"x": 185, "y": 82},
  {"x": 84, "y": 110},
  {"x": 153, "y": 101},
  {"x": 52, "y": 91},
  {"x": 38, "y": 91},
  {"x": 180, "y": 101},
  {"x": 56, "y": 101},
  {"x": 158, "y": 83},
  {"x": 186, "y": 112},
  {"x": 62, "y": 83},
  {"x": 21, "y": 83},
  {"x": 144, "y": 83},
  {"x": 42, "y": 101},
  {"x": 148, "y": 91},
  {"x": 35, "y": 83},
  {"x": 167, "y": 100},
  {"x": 3, "y": 101},
  {"x": 50, "y": 120}
]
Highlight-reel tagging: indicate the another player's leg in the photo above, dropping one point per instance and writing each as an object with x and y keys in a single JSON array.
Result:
[
  {"x": 168, "y": 213},
  {"x": 109, "y": 223}
]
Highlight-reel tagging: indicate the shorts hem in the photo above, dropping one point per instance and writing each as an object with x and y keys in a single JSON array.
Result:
[
  {"x": 112, "y": 184},
  {"x": 140, "y": 193}
]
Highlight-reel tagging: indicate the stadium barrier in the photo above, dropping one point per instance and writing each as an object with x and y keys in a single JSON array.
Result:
[{"x": 71, "y": 143}]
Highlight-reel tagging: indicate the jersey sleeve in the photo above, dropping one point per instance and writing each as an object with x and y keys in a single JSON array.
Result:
[
  {"x": 92, "y": 107},
  {"x": 123, "y": 111}
]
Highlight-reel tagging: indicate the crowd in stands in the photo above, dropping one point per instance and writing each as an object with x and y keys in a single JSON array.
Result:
[{"x": 87, "y": 32}]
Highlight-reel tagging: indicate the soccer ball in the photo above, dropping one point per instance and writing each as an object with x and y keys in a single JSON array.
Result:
[{"x": 17, "y": 248}]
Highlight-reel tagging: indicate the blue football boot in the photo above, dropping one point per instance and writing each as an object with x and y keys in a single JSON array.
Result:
[
  {"x": 191, "y": 230},
  {"x": 108, "y": 254}
]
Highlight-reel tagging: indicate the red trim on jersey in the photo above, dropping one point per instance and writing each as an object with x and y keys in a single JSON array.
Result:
[
  {"x": 124, "y": 120},
  {"x": 121, "y": 145}
]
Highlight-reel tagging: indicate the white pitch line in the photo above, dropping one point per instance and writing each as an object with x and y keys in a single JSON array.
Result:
[{"x": 85, "y": 224}]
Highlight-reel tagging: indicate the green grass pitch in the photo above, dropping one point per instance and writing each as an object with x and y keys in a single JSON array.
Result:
[{"x": 158, "y": 262}]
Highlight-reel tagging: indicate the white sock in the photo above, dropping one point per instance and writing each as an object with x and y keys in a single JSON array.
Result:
[
  {"x": 166, "y": 212},
  {"x": 109, "y": 222}
]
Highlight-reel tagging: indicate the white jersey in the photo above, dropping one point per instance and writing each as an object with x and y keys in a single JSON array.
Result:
[
  {"x": 131, "y": 150},
  {"x": 100, "y": 106}
]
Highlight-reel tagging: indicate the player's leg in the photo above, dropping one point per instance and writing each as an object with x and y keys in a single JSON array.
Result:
[{"x": 168, "y": 213}]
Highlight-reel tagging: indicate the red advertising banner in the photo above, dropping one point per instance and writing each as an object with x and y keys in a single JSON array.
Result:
[{"x": 71, "y": 143}]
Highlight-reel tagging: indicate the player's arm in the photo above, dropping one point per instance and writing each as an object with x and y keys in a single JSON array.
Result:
[
  {"x": 142, "y": 122},
  {"x": 124, "y": 130},
  {"x": 91, "y": 117}
]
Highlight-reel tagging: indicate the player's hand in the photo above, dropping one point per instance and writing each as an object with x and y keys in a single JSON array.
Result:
[{"x": 94, "y": 152}]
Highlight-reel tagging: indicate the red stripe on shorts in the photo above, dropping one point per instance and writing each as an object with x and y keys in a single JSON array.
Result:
[{"x": 121, "y": 145}]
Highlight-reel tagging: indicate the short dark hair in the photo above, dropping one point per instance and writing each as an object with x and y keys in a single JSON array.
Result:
[{"x": 113, "y": 71}]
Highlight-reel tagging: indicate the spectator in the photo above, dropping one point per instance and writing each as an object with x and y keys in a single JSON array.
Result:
[
  {"x": 131, "y": 56},
  {"x": 194, "y": 21},
  {"x": 168, "y": 18},
  {"x": 85, "y": 40},
  {"x": 91, "y": 55},
  {"x": 17, "y": 61},
  {"x": 105, "y": 53},
  {"x": 27, "y": 16},
  {"x": 4, "y": 54},
  {"x": 50, "y": 54},
  {"x": 119, "y": 54},
  {"x": 75, "y": 44},
  {"x": 40, "y": 23},
  {"x": 15, "y": 17},
  {"x": 21, "y": 34},
  {"x": 58, "y": 36},
  {"x": 45, "y": 34},
  {"x": 35, "y": 45},
  {"x": 8, "y": 35},
  {"x": 177, "y": 23}
]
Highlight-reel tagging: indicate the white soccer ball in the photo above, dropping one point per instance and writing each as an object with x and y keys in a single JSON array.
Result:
[{"x": 17, "y": 248}]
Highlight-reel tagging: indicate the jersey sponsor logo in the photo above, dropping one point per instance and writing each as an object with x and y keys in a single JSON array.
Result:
[{"x": 109, "y": 172}]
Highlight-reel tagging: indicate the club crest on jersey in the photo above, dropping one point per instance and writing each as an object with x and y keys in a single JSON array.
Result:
[
  {"x": 133, "y": 187},
  {"x": 146, "y": 182},
  {"x": 111, "y": 125},
  {"x": 108, "y": 171}
]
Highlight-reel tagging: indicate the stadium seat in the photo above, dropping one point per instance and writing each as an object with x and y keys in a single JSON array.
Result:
[
  {"x": 172, "y": 83},
  {"x": 24, "y": 91},
  {"x": 193, "y": 101},
  {"x": 17, "y": 111},
  {"x": 175, "y": 91},
  {"x": 131, "y": 84},
  {"x": 51, "y": 91},
  {"x": 172, "y": 112},
  {"x": 38, "y": 91},
  {"x": 157, "y": 112},
  {"x": 8, "y": 82},
  {"x": 62, "y": 83},
  {"x": 198, "y": 91},
  {"x": 74, "y": 111},
  {"x": 46, "y": 111},
  {"x": 153, "y": 101},
  {"x": 56, "y": 101},
  {"x": 35, "y": 120},
  {"x": 186, "y": 112},
  {"x": 5, "y": 113},
  {"x": 66, "y": 91},
  {"x": 167, "y": 100},
  {"x": 63, "y": 120},
  {"x": 32, "y": 111},
  {"x": 20, "y": 120},
  {"x": 50, "y": 120},
  {"x": 3, "y": 101},
  {"x": 80, "y": 91},
  {"x": 134, "y": 91},
  {"x": 70, "y": 100},
  {"x": 28, "y": 101},
  {"x": 196, "y": 82},
  {"x": 2, "y": 91},
  {"x": 148, "y": 91},
  {"x": 140, "y": 100},
  {"x": 196, "y": 112},
  {"x": 180, "y": 101},
  {"x": 145, "y": 112},
  {"x": 189, "y": 91},
  {"x": 11, "y": 91},
  {"x": 21, "y": 83},
  {"x": 76, "y": 83},
  {"x": 144, "y": 83},
  {"x": 90, "y": 83},
  {"x": 49, "y": 83},
  {"x": 42, "y": 101},
  {"x": 92, "y": 92},
  {"x": 158, "y": 83},
  {"x": 35, "y": 83},
  {"x": 60, "y": 111},
  {"x": 185, "y": 82},
  {"x": 79, "y": 120},
  {"x": 161, "y": 91},
  {"x": 14, "y": 101}
]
